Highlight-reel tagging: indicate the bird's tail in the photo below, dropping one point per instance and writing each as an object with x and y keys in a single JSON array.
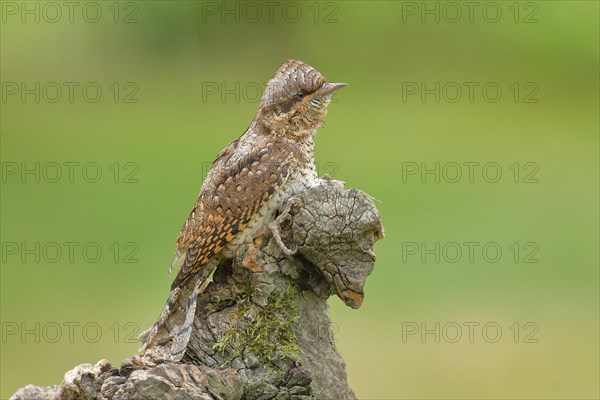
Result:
[{"x": 169, "y": 336}]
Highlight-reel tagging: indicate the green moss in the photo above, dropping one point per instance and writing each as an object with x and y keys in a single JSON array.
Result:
[{"x": 266, "y": 332}]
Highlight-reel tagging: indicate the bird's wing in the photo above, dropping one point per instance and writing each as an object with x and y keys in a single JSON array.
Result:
[{"x": 235, "y": 192}]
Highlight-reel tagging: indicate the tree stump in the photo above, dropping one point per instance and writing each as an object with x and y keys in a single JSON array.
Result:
[{"x": 261, "y": 329}]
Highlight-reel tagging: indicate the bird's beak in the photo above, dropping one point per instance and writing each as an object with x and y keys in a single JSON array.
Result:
[{"x": 329, "y": 88}]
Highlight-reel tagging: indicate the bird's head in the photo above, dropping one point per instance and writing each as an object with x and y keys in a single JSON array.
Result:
[{"x": 295, "y": 101}]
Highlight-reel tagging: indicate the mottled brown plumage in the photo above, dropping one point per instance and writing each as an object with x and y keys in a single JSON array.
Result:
[
  {"x": 248, "y": 182},
  {"x": 232, "y": 194}
]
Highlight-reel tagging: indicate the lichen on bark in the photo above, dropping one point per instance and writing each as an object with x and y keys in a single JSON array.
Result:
[{"x": 265, "y": 333}]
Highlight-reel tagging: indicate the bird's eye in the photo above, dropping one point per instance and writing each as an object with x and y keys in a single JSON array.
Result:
[{"x": 300, "y": 94}]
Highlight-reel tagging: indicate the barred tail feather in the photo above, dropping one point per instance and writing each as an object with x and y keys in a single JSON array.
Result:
[
  {"x": 148, "y": 336},
  {"x": 169, "y": 336},
  {"x": 182, "y": 336}
]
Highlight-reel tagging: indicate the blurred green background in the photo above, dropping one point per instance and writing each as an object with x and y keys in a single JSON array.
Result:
[{"x": 164, "y": 120}]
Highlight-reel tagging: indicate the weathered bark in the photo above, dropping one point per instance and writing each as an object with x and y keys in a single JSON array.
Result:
[{"x": 262, "y": 329}]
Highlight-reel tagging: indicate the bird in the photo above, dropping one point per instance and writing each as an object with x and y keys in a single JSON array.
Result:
[{"x": 249, "y": 182}]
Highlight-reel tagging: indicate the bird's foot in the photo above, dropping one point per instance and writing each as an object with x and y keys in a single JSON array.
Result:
[{"x": 275, "y": 226}]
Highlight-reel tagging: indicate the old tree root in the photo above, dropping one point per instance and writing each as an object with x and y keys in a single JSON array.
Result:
[{"x": 262, "y": 329}]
